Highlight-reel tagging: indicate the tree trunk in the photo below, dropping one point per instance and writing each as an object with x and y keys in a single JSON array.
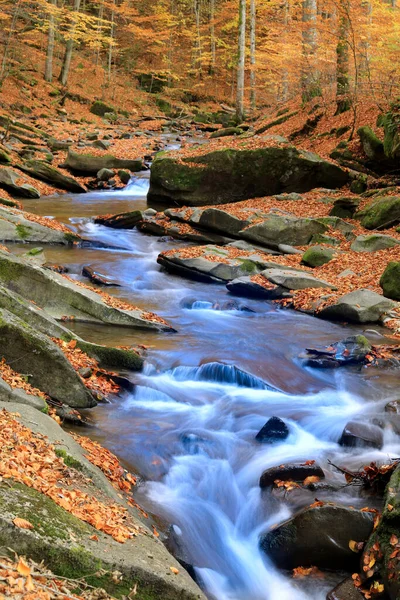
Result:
[
  {"x": 213, "y": 46},
  {"x": 8, "y": 42},
  {"x": 285, "y": 74},
  {"x": 48, "y": 71},
  {"x": 68, "y": 50},
  {"x": 197, "y": 50},
  {"x": 343, "y": 102},
  {"x": 241, "y": 61},
  {"x": 110, "y": 48},
  {"x": 253, "y": 54},
  {"x": 310, "y": 78}
]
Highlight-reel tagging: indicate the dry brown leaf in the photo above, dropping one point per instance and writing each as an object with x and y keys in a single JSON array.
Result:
[{"x": 22, "y": 523}]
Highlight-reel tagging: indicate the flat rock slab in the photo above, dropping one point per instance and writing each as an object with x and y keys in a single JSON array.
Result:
[
  {"x": 294, "y": 280},
  {"x": 15, "y": 227},
  {"x": 9, "y": 181},
  {"x": 177, "y": 230},
  {"x": 91, "y": 163},
  {"x": 40, "y": 169},
  {"x": 283, "y": 229},
  {"x": 249, "y": 288},
  {"x": 374, "y": 243},
  {"x": 143, "y": 560},
  {"x": 64, "y": 299},
  {"x": 361, "y": 306}
]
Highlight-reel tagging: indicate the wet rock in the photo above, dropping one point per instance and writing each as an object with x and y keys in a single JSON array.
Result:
[
  {"x": 97, "y": 278},
  {"x": 274, "y": 430},
  {"x": 247, "y": 287},
  {"x": 291, "y": 472},
  {"x": 373, "y": 243},
  {"x": 126, "y": 220},
  {"x": 105, "y": 174},
  {"x": 124, "y": 176},
  {"x": 393, "y": 407},
  {"x": 316, "y": 256},
  {"x": 8, "y": 181},
  {"x": 346, "y": 590},
  {"x": 224, "y": 175},
  {"x": 361, "y": 306},
  {"x": 318, "y": 536},
  {"x": 352, "y": 350},
  {"x": 390, "y": 281},
  {"x": 40, "y": 169},
  {"x": 382, "y": 213},
  {"x": 56, "y": 268},
  {"x": 92, "y": 164},
  {"x": 361, "y": 435}
]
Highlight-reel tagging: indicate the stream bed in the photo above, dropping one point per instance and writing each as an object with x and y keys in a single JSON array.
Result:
[{"x": 189, "y": 427}]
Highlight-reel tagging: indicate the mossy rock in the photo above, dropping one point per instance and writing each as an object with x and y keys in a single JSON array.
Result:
[
  {"x": 374, "y": 243},
  {"x": 231, "y": 175},
  {"x": 92, "y": 164},
  {"x": 41, "y": 170},
  {"x": 372, "y": 145},
  {"x": 100, "y": 108},
  {"x": 316, "y": 256},
  {"x": 382, "y": 213},
  {"x": 391, "y": 125},
  {"x": 390, "y": 281},
  {"x": 228, "y": 131}
]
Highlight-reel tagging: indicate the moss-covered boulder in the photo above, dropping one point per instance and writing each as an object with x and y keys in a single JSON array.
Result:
[
  {"x": 66, "y": 300},
  {"x": 231, "y": 175},
  {"x": 100, "y": 108},
  {"x": 228, "y": 131},
  {"x": 390, "y": 281},
  {"x": 316, "y": 256},
  {"x": 40, "y": 169},
  {"x": 373, "y": 243},
  {"x": 92, "y": 164},
  {"x": 345, "y": 207},
  {"x": 391, "y": 126},
  {"x": 9, "y": 182},
  {"x": 30, "y": 352},
  {"x": 382, "y": 213},
  {"x": 372, "y": 145},
  {"x": 278, "y": 229}
]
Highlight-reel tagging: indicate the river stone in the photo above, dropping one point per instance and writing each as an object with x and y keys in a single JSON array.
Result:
[
  {"x": 231, "y": 175},
  {"x": 361, "y": 306},
  {"x": 352, "y": 350},
  {"x": 92, "y": 164},
  {"x": 393, "y": 407},
  {"x": 316, "y": 256},
  {"x": 382, "y": 213},
  {"x": 290, "y": 472},
  {"x": 361, "y": 435},
  {"x": 294, "y": 280},
  {"x": 278, "y": 229},
  {"x": 15, "y": 227},
  {"x": 373, "y": 243},
  {"x": 390, "y": 281},
  {"x": 8, "y": 181},
  {"x": 274, "y": 430},
  {"x": 388, "y": 526},
  {"x": 40, "y": 169},
  {"x": 346, "y": 590},
  {"x": 105, "y": 174},
  {"x": 124, "y": 176},
  {"x": 219, "y": 220},
  {"x": 244, "y": 286},
  {"x": 65, "y": 543},
  {"x": 228, "y": 131},
  {"x": 318, "y": 536},
  {"x": 126, "y": 220},
  {"x": 64, "y": 299},
  {"x": 29, "y": 351}
]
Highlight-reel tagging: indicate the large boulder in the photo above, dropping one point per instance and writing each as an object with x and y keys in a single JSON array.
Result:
[
  {"x": 373, "y": 243},
  {"x": 16, "y": 227},
  {"x": 9, "y": 182},
  {"x": 64, "y": 299},
  {"x": 276, "y": 229},
  {"x": 391, "y": 126},
  {"x": 372, "y": 145},
  {"x": 318, "y": 536},
  {"x": 92, "y": 163},
  {"x": 390, "y": 281},
  {"x": 382, "y": 213},
  {"x": 40, "y": 169},
  {"x": 29, "y": 351},
  {"x": 230, "y": 175},
  {"x": 361, "y": 306}
]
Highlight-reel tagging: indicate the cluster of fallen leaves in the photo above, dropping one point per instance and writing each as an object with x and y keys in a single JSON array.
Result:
[
  {"x": 24, "y": 579},
  {"x": 50, "y": 223},
  {"x": 16, "y": 380},
  {"x": 107, "y": 462},
  {"x": 99, "y": 381},
  {"x": 117, "y": 303},
  {"x": 372, "y": 475},
  {"x": 29, "y": 458},
  {"x": 369, "y": 582}
]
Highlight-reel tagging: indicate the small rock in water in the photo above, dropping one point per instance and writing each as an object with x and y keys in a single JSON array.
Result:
[
  {"x": 363, "y": 435},
  {"x": 346, "y": 590},
  {"x": 105, "y": 174},
  {"x": 393, "y": 407},
  {"x": 95, "y": 277},
  {"x": 352, "y": 350},
  {"x": 274, "y": 430},
  {"x": 290, "y": 472},
  {"x": 56, "y": 268}
]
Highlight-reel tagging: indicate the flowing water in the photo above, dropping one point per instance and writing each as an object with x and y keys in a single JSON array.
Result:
[{"x": 189, "y": 426}]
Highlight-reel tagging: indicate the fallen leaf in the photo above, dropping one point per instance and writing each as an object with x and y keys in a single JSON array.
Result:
[
  {"x": 174, "y": 570},
  {"x": 22, "y": 568},
  {"x": 22, "y": 523}
]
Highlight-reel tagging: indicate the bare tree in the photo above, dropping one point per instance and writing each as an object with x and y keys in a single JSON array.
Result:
[
  {"x": 69, "y": 47},
  {"x": 310, "y": 77},
  {"x": 241, "y": 61},
  {"x": 253, "y": 38},
  {"x": 8, "y": 41},
  {"x": 343, "y": 101},
  {"x": 48, "y": 71}
]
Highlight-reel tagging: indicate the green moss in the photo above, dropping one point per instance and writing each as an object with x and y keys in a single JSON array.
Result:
[
  {"x": 100, "y": 108},
  {"x": 247, "y": 265},
  {"x": 317, "y": 256},
  {"x": 70, "y": 461},
  {"x": 22, "y": 231},
  {"x": 112, "y": 357},
  {"x": 45, "y": 409},
  {"x": 71, "y": 237}
]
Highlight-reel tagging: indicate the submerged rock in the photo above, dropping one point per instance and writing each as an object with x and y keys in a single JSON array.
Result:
[
  {"x": 352, "y": 350},
  {"x": 346, "y": 590},
  {"x": 361, "y": 435},
  {"x": 318, "y": 536},
  {"x": 290, "y": 472},
  {"x": 274, "y": 430},
  {"x": 231, "y": 175}
]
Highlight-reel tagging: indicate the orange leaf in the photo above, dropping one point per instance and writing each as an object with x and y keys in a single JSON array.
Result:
[
  {"x": 22, "y": 568},
  {"x": 174, "y": 571},
  {"x": 22, "y": 523}
]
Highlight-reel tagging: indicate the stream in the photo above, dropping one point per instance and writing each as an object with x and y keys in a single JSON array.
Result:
[{"x": 189, "y": 426}]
